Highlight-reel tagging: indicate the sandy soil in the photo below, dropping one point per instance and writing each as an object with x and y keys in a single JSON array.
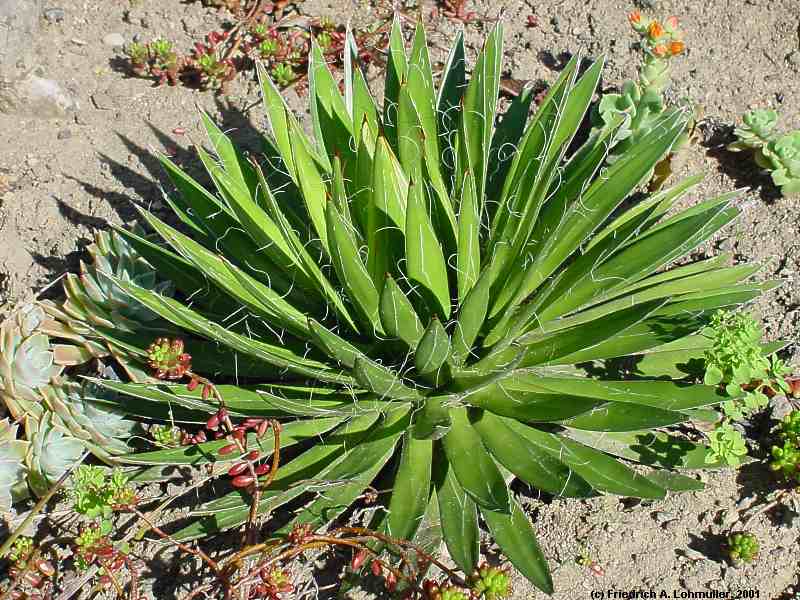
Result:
[{"x": 61, "y": 177}]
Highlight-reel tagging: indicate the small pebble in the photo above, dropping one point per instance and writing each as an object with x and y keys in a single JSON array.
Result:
[
  {"x": 64, "y": 134},
  {"x": 693, "y": 554},
  {"x": 779, "y": 406},
  {"x": 662, "y": 517},
  {"x": 114, "y": 39},
  {"x": 54, "y": 15}
]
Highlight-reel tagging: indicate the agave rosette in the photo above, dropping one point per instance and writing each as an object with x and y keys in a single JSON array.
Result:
[{"x": 423, "y": 290}]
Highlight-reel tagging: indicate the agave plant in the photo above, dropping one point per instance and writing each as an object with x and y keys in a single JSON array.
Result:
[{"x": 440, "y": 302}]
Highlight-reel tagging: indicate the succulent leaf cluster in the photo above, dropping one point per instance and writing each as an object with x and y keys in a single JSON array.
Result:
[
  {"x": 726, "y": 445},
  {"x": 62, "y": 417},
  {"x": 775, "y": 152},
  {"x": 638, "y": 107},
  {"x": 422, "y": 303},
  {"x": 786, "y": 454},
  {"x": 96, "y": 492},
  {"x": 157, "y": 58},
  {"x": 742, "y": 547},
  {"x": 490, "y": 583},
  {"x": 12, "y": 466},
  {"x": 737, "y": 362}
]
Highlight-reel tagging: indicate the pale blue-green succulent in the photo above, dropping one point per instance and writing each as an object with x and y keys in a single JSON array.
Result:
[
  {"x": 13, "y": 471},
  {"x": 777, "y": 153}
]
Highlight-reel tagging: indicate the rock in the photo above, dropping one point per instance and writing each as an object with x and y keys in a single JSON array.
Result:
[
  {"x": 54, "y": 15},
  {"x": 662, "y": 517},
  {"x": 793, "y": 58},
  {"x": 779, "y": 406},
  {"x": 692, "y": 554},
  {"x": 556, "y": 24},
  {"x": 114, "y": 39},
  {"x": 64, "y": 134}
]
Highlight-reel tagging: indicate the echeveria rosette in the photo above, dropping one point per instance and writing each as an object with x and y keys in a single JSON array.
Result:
[
  {"x": 756, "y": 131},
  {"x": 27, "y": 361},
  {"x": 77, "y": 408},
  {"x": 419, "y": 289},
  {"x": 779, "y": 154},
  {"x": 98, "y": 316},
  {"x": 51, "y": 452},
  {"x": 13, "y": 471},
  {"x": 784, "y": 157}
]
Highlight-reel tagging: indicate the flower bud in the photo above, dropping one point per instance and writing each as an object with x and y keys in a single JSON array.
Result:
[
  {"x": 672, "y": 23},
  {"x": 660, "y": 51},
  {"x": 192, "y": 385},
  {"x": 262, "y": 469},
  {"x": 655, "y": 31},
  {"x": 262, "y": 428},
  {"x": 252, "y": 455},
  {"x": 635, "y": 17},
  {"x": 676, "y": 47},
  {"x": 206, "y": 391},
  {"x": 376, "y": 567}
]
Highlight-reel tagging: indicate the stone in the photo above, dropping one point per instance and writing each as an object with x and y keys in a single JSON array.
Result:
[
  {"x": 64, "y": 134},
  {"x": 662, "y": 517},
  {"x": 779, "y": 406},
  {"x": 114, "y": 39},
  {"x": 54, "y": 15}
]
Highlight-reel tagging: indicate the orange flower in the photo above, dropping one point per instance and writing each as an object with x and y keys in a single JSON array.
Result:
[
  {"x": 635, "y": 17},
  {"x": 660, "y": 51},
  {"x": 672, "y": 23},
  {"x": 655, "y": 31},
  {"x": 676, "y": 47}
]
